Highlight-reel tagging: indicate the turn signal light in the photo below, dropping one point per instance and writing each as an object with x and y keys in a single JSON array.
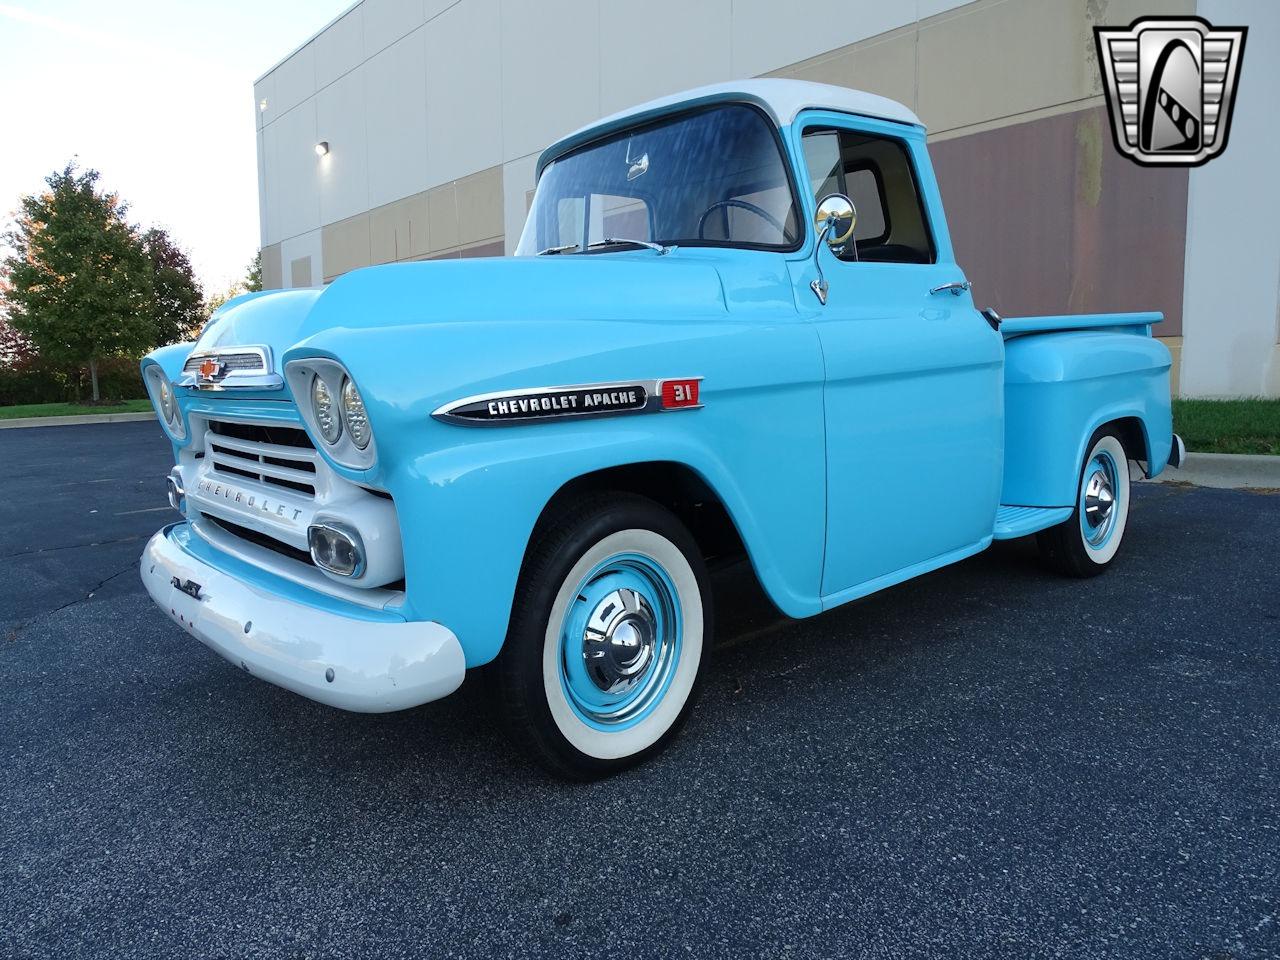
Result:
[{"x": 335, "y": 547}]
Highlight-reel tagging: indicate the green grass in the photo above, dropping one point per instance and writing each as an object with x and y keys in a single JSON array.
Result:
[
  {"x": 71, "y": 409},
  {"x": 1229, "y": 426}
]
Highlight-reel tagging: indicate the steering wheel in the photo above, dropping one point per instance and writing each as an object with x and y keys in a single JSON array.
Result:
[{"x": 745, "y": 205}]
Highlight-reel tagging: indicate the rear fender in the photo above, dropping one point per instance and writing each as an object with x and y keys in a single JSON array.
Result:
[{"x": 1060, "y": 388}]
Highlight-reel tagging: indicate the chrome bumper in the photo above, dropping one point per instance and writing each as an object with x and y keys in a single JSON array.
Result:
[{"x": 369, "y": 666}]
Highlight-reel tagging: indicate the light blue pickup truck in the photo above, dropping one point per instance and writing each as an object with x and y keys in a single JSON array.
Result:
[{"x": 734, "y": 326}]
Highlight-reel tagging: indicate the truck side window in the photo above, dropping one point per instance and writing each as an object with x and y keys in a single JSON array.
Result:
[{"x": 875, "y": 173}]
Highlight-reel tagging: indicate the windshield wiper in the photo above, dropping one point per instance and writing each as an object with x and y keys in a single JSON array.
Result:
[
  {"x": 615, "y": 241},
  {"x": 608, "y": 242},
  {"x": 562, "y": 249}
]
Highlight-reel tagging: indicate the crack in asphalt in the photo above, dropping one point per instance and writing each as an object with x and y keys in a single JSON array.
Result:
[
  {"x": 16, "y": 631},
  {"x": 69, "y": 546}
]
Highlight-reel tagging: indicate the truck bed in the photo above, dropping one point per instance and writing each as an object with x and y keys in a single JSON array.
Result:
[{"x": 1017, "y": 326}]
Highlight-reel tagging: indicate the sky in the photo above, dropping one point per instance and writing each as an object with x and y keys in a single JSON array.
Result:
[{"x": 157, "y": 95}]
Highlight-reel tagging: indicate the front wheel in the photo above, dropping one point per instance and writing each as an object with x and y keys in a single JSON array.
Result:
[
  {"x": 606, "y": 646},
  {"x": 1085, "y": 544}
]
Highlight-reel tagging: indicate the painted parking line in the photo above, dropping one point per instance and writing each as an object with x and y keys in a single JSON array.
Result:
[{"x": 125, "y": 513}]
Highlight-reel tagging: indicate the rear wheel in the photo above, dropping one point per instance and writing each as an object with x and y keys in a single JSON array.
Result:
[
  {"x": 605, "y": 651},
  {"x": 1085, "y": 544}
]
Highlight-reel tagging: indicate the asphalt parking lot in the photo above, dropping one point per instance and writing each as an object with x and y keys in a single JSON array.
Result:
[{"x": 990, "y": 761}]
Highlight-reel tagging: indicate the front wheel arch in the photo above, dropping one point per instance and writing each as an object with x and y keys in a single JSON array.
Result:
[{"x": 671, "y": 484}]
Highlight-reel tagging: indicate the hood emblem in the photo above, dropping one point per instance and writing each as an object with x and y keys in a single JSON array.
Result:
[
  {"x": 231, "y": 368},
  {"x": 209, "y": 369}
]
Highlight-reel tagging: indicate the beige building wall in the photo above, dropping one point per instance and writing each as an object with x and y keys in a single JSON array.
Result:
[
  {"x": 1232, "y": 334},
  {"x": 462, "y": 218},
  {"x": 1045, "y": 215},
  {"x": 435, "y": 112},
  {"x": 381, "y": 87}
]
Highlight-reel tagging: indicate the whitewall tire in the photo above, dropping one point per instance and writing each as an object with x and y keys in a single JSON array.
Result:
[
  {"x": 1086, "y": 543},
  {"x": 608, "y": 636}
]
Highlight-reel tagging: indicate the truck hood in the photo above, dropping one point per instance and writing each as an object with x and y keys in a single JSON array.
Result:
[
  {"x": 416, "y": 337},
  {"x": 479, "y": 291}
]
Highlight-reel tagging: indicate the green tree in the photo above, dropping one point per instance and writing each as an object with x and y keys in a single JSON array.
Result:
[
  {"x": 80, "y": 280},
  {"x": 16, "y": 350},
  {"x": 177, "y": 298},
  {"x": 253, "y": 280},
  {"x": 252, "y": 283}
]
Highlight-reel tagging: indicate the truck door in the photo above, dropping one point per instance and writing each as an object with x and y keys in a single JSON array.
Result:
[{"x": 914, "y": 391}]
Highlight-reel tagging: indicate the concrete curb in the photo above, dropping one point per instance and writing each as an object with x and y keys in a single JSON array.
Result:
[
  {"x": 1226, "y": 471},
  {"x": 19, "y": 422}
]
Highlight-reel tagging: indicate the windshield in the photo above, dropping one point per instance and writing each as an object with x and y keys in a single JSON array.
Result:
[{"x": 711, "y": 178}]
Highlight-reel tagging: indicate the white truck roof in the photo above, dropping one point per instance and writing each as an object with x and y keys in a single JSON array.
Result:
[{"x": 783, "y": 99}]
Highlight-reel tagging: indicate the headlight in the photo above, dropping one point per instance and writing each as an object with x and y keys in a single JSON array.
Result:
[
  {"x": 167, "y": 407},
  {"x": 164, "y": 400},
  {"x": 355, "y": 414},
  {"x": 333, "y": 410},
  {"x": 322, "y": 405}
]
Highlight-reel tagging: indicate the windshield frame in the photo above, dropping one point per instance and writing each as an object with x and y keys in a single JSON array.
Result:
[{"x": 784, "y": 154}]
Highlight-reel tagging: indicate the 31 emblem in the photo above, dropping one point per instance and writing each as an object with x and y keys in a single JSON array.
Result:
[{"x": 1170, "y": 85}]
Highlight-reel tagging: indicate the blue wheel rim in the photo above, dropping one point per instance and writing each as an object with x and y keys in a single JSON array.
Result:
[
  {"x": 658, "y": 619},
  {"x": 1099, "y": 504}
]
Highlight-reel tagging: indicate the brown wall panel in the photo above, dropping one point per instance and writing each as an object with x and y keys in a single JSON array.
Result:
[
  {"x": 272, "y": 267},
  {"x": 1047, "y": 217}
]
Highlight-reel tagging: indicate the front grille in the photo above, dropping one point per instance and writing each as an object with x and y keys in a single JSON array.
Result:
[
  {"x": 229, "y": 361},
  {"x": 279, "y": 456},
  {"x": 262, "y": 540}
]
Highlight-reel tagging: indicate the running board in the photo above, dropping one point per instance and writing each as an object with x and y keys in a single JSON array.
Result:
[{"x": 1012, "y": 522}]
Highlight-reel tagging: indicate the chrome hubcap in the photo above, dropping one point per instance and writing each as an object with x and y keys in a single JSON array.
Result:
[
  {"x": 1099, "y": 511},
  {"x": 619, "y": 640},
  {"x": 1099, "y": 498}
]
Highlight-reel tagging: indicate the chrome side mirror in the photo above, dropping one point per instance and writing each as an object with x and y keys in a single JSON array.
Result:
[
  {"x": 835, "y": 219},
  {"x": 834, "y": 222}
]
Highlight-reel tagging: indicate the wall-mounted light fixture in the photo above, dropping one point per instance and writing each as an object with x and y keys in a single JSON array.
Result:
[
  {"x": 322, "y": 148},
  {"x": 262, "y": 105}
]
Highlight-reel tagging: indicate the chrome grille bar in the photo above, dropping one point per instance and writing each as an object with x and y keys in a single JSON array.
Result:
[
  {"x": 232, "y": 361},
  {"x": 290, "y": 466}
]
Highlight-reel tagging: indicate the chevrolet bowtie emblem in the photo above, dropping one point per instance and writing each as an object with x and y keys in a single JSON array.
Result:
[
  {"x": 210, "y": 369},
  {"x": 1170, "y": 85}
]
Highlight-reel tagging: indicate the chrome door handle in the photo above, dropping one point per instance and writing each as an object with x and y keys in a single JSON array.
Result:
[{"x": 956, "y": 288}]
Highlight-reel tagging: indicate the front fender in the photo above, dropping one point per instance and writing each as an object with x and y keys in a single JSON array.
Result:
[
  {"x": 170, "y": 359},
  {"x": 468, "y": 509},
  {"x": 468, "y": 497}
]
